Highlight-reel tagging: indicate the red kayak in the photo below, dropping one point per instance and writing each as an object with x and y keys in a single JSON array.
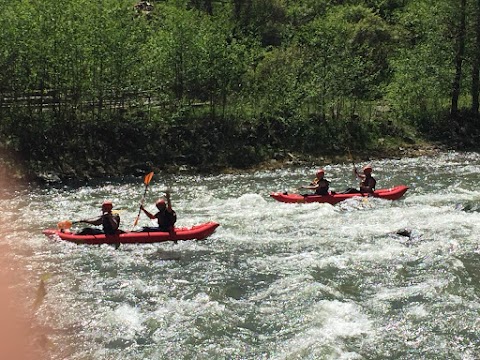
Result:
[
  {"x": 197, "y": 232},
  {"x": 393, "y": 193}
]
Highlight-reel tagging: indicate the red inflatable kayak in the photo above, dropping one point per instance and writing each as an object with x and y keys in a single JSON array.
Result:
[
  {"x": 393, "y": 193},
  {"x": 197, "y": 232}
]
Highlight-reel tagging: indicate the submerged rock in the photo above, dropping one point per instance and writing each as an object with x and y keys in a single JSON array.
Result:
[
  {"x": 404, "y": 232},
  {"x": 407, "y": 235}
]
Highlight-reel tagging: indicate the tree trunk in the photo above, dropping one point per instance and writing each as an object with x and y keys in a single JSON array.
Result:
[
  {"x": 205, "y": 5},
  {"x": 237, "y": 9},
  {"x": 476, "y": 64},
  {"x": 208, "y": 7},
  {"x": 460, "y": 51}
]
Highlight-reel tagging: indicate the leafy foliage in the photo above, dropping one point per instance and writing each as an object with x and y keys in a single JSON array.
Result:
[{"x": 229, "y": 83}]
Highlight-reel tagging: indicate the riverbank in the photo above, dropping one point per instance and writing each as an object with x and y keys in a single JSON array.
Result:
[
  {"x": 293, "y": 159},
  {"x": 12, "y": 167}
]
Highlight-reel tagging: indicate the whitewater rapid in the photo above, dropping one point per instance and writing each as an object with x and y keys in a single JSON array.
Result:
[{"x": 275, "y": 281}]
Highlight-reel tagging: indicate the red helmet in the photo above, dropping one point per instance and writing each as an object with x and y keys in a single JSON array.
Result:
[
  {"x": 367, "y": 168},
  {"x": 160, "y": 203},
  {"x": 107, "y": 205},
  {"x": 320, "y": 173}
]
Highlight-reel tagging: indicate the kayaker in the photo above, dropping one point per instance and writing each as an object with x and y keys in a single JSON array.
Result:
[
  {"x": 319, "y": 184},
  {"x": 166, "y": 216},
  {"x": 367, "y": 184},
  {"x": 109, "y": 221}
]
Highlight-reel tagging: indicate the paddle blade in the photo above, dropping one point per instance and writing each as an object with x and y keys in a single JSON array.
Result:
[
  {"x": 148, "y": 178},
  {"x": 64, "y": 225}
]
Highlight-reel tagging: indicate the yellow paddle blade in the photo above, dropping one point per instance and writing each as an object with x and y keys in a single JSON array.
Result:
[
  {"x": 64, "y": 225},
  {"x": 46, "y": 276}
]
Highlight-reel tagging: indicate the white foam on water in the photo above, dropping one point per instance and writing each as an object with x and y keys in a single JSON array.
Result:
[
  {"x": 127, "y": 320},
  {"x": 275, "y": 281},
  {"x": 328, "y": 324}
]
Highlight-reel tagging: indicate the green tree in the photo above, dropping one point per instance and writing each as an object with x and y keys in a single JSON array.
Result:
[
  {"x": 346, "y": 57},
  {"x": 459, "y": 46},
  {"x": 422, "y": 63},
  {"x": 475, "y": 89},
  {"x": 262, "y": 19}
]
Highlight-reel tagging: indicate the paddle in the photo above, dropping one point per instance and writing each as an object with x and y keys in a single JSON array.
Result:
[
  {"x": 66, "y": 224},
  {"x": 146, "y": 181},
  {"x": 353, "y": 163}
]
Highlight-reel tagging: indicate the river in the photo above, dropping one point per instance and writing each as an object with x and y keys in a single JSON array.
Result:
[{"x": 275, "y": 281}]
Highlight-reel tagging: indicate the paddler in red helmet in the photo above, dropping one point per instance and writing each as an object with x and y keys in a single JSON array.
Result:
[
  {"x": 319, "y": 184},
  {"x": 166, "y": 216},
  {"x": 109, "y": 221},
  {"x": 367, "y": 184}
]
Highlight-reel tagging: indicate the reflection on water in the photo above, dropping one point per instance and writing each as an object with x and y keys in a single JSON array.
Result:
[{"x": 367, "y": 278}]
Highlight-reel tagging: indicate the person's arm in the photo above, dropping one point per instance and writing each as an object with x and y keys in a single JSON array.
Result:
[
  {"x": 309, "y": 187},
  {"x": 312, "y": 186},
  {"x": 97, "y": 221},
  {"x": 169, "y": 202},
  {"x": 358, "y": 175},
  {"x": 173, "y": 214},
  {"x": 150, "y": 215},
  {"x": 355, "y": 171},
  {"x": 173, "y": 217}
]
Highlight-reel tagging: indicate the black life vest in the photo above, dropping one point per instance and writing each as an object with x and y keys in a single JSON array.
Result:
[
  {"x": 166, "y": 219},
  {"x": 323, "y": 185},
  {"x": 368, "y": 183},
  {"x": 107, "y": 226}
]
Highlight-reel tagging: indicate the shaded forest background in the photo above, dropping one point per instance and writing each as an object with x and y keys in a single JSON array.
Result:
[{"x": 112, "y": 87}]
